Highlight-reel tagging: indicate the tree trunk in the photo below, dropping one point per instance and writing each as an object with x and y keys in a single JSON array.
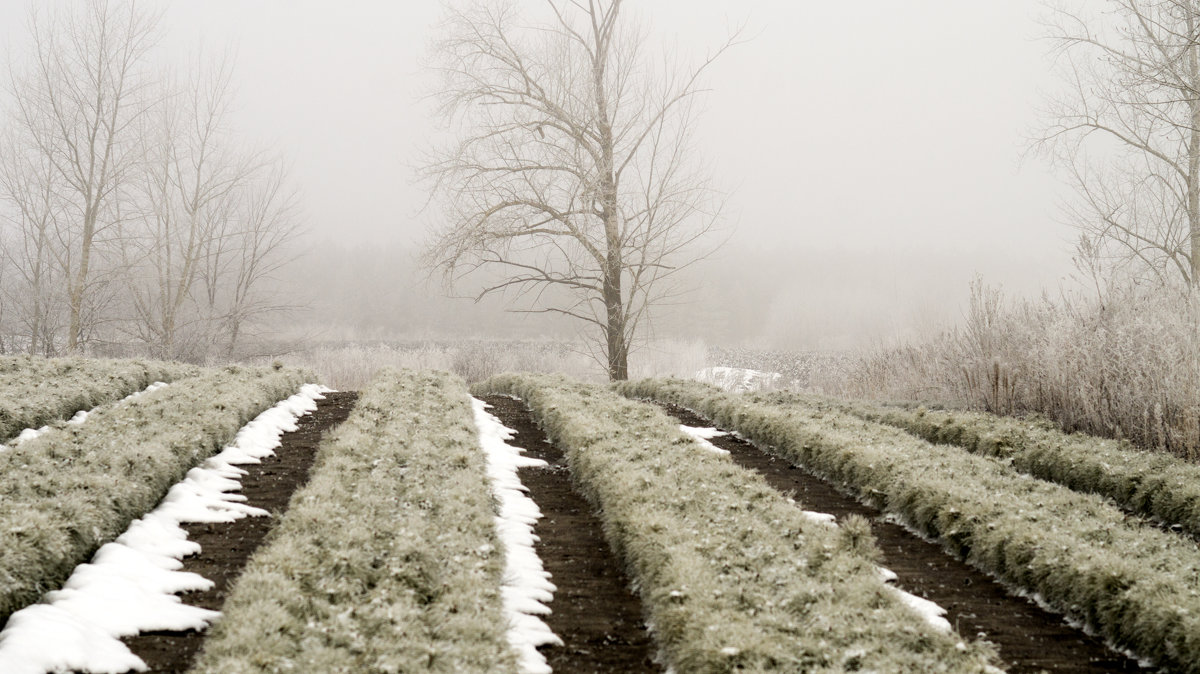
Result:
[{"x": 80, "y": 281}]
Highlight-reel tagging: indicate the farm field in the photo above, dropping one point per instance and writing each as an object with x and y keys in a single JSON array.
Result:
[{"x": 249, "y": 520}]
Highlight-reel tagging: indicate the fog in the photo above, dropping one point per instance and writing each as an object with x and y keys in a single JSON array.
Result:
[{"x": 871, "y": 154}]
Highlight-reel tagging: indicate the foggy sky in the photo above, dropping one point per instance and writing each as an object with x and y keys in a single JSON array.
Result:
[{"x": 878, "y": 137}]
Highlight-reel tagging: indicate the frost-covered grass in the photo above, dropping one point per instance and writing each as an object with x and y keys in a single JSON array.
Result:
[
  {"x": 1136, "y": 585},
  {"x": 35, "y": 391},
  {"x": 351, "y": 365},
  {"x": 131, "y": 585},
  {"x": 388, "y": 559},
  {"x": 1152, "y": 484},
  {"x": 733, "y": 575},
  {"x": 72, "y": 489}
]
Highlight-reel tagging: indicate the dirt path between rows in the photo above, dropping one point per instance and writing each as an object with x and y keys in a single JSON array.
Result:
[
  {"x": 225, "y": 548},
  {"x": 1028, "y": 638},
  {"x": 594, "y": 612}
]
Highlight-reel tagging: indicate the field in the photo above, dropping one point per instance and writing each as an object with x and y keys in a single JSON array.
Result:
[{"x": 247, "y": 519}]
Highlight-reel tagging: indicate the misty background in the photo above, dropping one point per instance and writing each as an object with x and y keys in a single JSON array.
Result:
[{"x": 871, "y": 154}]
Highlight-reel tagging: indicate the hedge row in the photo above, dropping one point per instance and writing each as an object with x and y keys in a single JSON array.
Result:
[
  {"x": 1152, "y": 484},
  {"x": 1137, "y": 586},
  {"x": 733, "y": 575},
  {"x": 36, "y": 391},
  {"x": 387, "y": 560},
  {"x": 72, "y": 489}
]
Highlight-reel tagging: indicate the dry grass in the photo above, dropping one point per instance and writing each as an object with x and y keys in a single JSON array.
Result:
[{"x": 1126, "y": 366}]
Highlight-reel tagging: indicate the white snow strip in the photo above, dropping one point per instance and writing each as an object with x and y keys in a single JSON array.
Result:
[
  {"x": 820, "y": 518},
  {"x": 80, "y": 417},
  {"x": 132, "y": 584},
  {"x": 703, "y": 435},
  {"x": 526, "y": 586},
  {"x": 929, "y": 611}
]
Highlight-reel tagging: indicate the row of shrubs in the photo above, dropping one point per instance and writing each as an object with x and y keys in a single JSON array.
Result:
[
  {"x": 74, "y": 488},
  {"x": 732, "y": 574},
  {"x": 36, "y": 391},
  {"x": 1137, "y": 586},
  {"x": 1152, "y": 484},
  {"x": 388, "y": 559}
]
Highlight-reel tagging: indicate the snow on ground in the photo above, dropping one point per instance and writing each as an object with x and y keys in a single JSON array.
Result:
[
  {"x": 80, "y": 417},
  {"x": 738, "y": 380},
  {"x": 526, "y": 587},
  {"x": 132, "y": 584},
  {"x": 703, "y": 435}
]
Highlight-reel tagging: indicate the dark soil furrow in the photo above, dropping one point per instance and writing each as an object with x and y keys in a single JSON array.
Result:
[
  {"x": 594, "y": 612},
  {"x": 226, "y": 548},
  {"x": 1028, "y": 638}
]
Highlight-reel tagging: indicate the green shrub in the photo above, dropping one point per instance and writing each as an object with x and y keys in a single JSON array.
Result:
[
  {"x": 72, "y": 489},
  {"x": 1137, "y": 586},
  {"x": 387, "y": 560},
  {"x": 733, "y": 576}
]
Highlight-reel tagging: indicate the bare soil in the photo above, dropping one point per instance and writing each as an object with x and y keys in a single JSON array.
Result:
[
  {"x": 595, "y": 613},
  {"x": 225, "y": 548},
  {"x": 1028, "y": 638}
]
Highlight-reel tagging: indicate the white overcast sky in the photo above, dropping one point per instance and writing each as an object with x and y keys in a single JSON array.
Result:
[{"x": 874, "y": 127}]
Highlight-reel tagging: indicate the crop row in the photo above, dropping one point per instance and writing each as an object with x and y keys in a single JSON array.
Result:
[
  {"x": 732, "y": 574},
  {"x": 72, "y": 489},
  {"x": 1137, "y": 586},
  {"x": 1151, "y": 484},
  {"x": 388, "y": 559},
  {"x": 36, "y": 391}
]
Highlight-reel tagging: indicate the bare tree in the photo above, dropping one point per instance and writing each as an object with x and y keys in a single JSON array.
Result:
[
  {"x": 570, "y": 185},
  {"x": 29, "y": 245},
  {"x": 78, "y": 103},
  {"x": 1127, "y": 130},
  {"x": 189, "y": 186},
  {"x": 250, "y": 248}
]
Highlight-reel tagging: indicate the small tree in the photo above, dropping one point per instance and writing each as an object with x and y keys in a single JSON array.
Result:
[
  {"x": 570, "y": 183},
  {"x": 1127, "y": 130}
]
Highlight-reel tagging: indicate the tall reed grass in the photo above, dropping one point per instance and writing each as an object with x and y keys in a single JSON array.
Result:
[{"x": 1124, "y": 364}]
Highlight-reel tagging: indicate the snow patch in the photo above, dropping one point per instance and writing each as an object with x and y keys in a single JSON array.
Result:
[
  {"x": 929, "y": 611},
  {"x": 526, "y": 586},
  {"x": 131, "y": 585},
  {"x": 738, "y": 380},
  {"x": 703, "y": 435},
  {"x": 80, "y": 417}
]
